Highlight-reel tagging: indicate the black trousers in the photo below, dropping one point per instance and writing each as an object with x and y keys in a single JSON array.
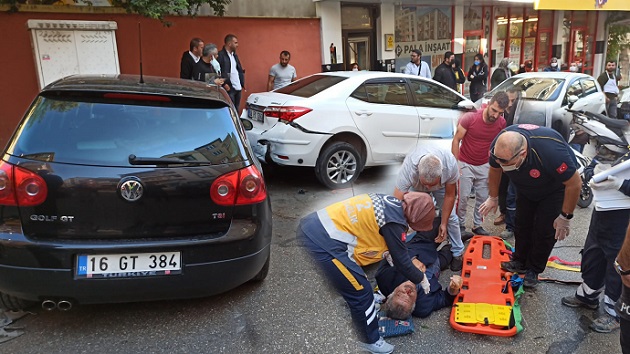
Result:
[
  {"x": 503, "y": 187},
  {"x": 603, "y": 242},
  {"x": 624, "y": 339},
  {"x": 235, "y": 96},
  {"x": 534, "y": 234}
]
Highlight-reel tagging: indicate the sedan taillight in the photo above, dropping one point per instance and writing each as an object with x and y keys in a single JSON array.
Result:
[
  {"x": 289, "y": 113},
  {"x": 245, "y": 186},
  {"x": 21, "y": 187}
]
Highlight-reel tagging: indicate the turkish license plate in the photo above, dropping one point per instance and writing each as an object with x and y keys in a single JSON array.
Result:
[
  {"x": 255, "y": 115},
  {"x": 128, "y": 265}
]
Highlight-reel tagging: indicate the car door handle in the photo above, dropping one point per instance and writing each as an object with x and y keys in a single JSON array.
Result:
[
  {"x": 426, "y": 116},
  {"x": 363, "y": 113}
]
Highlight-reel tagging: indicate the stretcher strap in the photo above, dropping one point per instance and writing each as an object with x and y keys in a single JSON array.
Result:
[
  {"x": 486, "y": 314},
  {"x": 562, "y": 267}
]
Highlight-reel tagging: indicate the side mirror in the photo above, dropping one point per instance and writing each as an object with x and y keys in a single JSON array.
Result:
[
  {"x": 572, "y": 99},
  {"x": 466, "y": 105},
  {"x": 247, "y": 125}
]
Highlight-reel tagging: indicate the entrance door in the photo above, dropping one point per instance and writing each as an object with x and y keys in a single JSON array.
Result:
[
  {"x": 581, "y": 50},
  {"x": 472, "y": 46},
  {"x": 358, "y": 51}
]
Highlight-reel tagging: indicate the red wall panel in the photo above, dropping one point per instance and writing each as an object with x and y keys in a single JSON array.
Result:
[{"x": 260, "y": 43}]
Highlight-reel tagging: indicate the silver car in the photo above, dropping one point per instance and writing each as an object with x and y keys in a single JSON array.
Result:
[{"x": 544, "y": 96}]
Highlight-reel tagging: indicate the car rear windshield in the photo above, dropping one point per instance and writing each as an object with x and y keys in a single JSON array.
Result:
[
  {"x": 101, "y": 132},
  {"x": 534, "y": 88},
  {"x": 311, "y": 85}
]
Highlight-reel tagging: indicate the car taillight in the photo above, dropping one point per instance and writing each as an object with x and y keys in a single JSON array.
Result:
[
  {"x": 245, "y": 186},
  {"x": 289, "y": 113},
  {"x": 21, "y": 187}
]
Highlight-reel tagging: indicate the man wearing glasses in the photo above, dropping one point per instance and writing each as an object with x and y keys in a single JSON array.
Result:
[
  {"x": 475, "y": 132},
  {"x": 544, "y": 171}
]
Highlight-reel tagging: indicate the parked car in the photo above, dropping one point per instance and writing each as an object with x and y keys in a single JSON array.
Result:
[
  {"x": 113, "y": 190},
  {"x": 545, "y": 97},
  {"x": 342, "y": 122}
]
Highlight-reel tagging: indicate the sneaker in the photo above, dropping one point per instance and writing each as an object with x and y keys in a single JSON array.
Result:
[
  {"x": 531, "y": 279},
  {"x": 380, "y": 346},
  {"x": 457, "y": 263},
  {"x": 514, "y": 267},
  {"x": 499, "y": 220},
  {"x": 505, "y": 234},
  {"x": 480, "y": 231},
  {"x": 573, "y": 301},
  {"x": 467, "y": 235},
  {"x": 605, "y": 324}
]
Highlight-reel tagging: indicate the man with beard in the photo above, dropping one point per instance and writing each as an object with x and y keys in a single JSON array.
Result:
[
  {"x": 281, "y": 74},
  {"x": 444, "y": 72},
  {"x": 609, "y": 82}
]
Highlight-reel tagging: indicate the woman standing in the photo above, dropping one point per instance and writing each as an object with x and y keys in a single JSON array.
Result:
[
  {"x": 477, "y": 75},
  {"x": 501, "y": 73}
]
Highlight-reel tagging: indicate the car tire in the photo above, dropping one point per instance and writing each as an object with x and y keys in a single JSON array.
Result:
[
  {"x": 338, "y": 165},
  {"x": 263, "y": 272},
  {"x": 12, "y": 303}
]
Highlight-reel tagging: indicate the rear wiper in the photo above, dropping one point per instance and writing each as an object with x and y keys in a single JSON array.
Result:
[{"x": 134, "y": 160}]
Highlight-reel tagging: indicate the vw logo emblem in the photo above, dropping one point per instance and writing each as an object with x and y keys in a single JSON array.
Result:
[{"x": 131, "y": 189}]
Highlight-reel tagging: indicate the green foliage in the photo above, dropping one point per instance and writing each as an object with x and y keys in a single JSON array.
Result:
[
  {"x": 155, "y": 9},
  {"x": 618, "y": 38}
]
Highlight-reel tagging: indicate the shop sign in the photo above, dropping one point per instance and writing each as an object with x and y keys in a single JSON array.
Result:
[
  {"x": 606, "y": 5},
  {"x": 426, "y": 47}
]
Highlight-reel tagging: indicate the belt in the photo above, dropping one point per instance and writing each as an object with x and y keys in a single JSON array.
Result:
[{"x": 610, "y": 94}]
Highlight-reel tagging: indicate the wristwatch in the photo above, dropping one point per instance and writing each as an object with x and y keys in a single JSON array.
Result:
[
  {"x": 620, "y": 270},
  {"x": 568, "y": 216}
]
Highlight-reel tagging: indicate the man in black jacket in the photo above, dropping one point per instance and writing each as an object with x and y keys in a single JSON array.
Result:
[
  {"x": 231, "y": 69},
  {"x": 190, "y": 58},
  {"x": 444, "y": 72}
]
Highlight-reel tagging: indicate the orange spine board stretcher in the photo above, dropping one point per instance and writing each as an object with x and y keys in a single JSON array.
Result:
[{"x": 482, "y": 291}]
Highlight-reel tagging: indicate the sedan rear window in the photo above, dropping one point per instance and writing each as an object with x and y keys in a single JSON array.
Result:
[
  {"x": 106, "y": 134},
  {"x": 310, "y": 86},
  {"x": 533, "y": 88}
]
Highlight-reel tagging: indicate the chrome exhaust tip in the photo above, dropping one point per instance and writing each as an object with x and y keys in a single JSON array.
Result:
[
  {"x": 64, "y": 305},
  {"x": 49, "y": 305}
]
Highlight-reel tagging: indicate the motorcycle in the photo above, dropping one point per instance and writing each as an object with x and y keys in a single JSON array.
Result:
[
  {"x": 586, "y": 194},
  {"x": 611, "y": 136}
]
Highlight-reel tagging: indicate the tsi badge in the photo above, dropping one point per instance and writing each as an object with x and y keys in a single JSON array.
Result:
[{"x": 131, "y": 189}]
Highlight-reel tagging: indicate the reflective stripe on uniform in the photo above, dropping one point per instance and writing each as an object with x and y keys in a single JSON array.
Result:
[
  {"x": 346, "y": 273},
  {"x": 337, "y": 234}
]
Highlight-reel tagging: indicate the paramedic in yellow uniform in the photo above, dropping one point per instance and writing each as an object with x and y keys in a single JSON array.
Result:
[{"x": 355, "y": 232}]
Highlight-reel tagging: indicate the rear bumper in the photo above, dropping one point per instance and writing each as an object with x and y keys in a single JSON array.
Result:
[
  {"x": 36, "y": 270},
  {"x": 292, "y": 147}
]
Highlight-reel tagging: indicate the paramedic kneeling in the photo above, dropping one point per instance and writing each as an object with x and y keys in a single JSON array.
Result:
[{"x": 355, "y": 232}]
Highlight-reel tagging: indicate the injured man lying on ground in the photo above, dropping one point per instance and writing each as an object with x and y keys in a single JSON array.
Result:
[{"x": 403, "y": 297}]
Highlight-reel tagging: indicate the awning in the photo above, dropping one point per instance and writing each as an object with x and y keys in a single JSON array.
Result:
[{"x": 604, "y": 5}]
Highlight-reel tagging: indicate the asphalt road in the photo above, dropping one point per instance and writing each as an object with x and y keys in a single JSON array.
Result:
[{"x": 295, "y": 311}]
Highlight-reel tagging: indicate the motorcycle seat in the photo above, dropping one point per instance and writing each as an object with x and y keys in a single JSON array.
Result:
[{"x": 612, "y": 123}]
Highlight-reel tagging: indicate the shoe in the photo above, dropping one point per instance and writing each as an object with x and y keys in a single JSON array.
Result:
[
  {"x": 505, "y": 234},
  {"x": 467, "y": 235},
  {"x": 499, "y": 220},
  {"x": 514, "y": 267},
  {"x": 573, "y": 301},
  {"x": 480, "y": 231},
  {"x": 380, "y": 346},
  {"x": 605, "y": 324},
  {"x": 457, "y": 263},
  {"x": 531, "y": 279}
]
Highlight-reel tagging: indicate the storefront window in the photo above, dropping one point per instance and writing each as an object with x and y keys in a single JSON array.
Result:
[
  {"x": 545, "y": 20},
  {"x": 501, "y": 18},
  {"x": 354, "y": 17},
  {"x": 472, "y": 18}
]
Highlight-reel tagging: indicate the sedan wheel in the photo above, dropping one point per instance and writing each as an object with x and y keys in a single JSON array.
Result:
[{"x": 338, "y": 165}]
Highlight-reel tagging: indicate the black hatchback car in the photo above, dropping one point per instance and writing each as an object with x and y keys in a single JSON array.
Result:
[{"x": 119, "y": 189}]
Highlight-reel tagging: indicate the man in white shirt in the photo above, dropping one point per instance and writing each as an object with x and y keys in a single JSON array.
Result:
[
  {"x": 609, "y": 82},
  {"x": 281, "y": 74},
  {"x": 231, "y": 69},
  {"x": 190, "y": 58},
  {"x": 416, "y": 66}
]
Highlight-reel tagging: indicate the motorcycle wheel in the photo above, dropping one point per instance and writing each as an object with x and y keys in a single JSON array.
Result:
[{"x": 586, "y": 195}]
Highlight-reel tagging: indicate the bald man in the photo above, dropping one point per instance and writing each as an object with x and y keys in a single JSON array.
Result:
[{"x": 544, "y": 171}]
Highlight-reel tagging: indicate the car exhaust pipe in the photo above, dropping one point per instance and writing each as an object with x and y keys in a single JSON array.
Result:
[
  {"x": 64, "y": 305},
  {"x": 49, "y": 305}
]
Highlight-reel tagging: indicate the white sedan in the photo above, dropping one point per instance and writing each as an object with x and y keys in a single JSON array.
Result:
[{"x": 341, "y": 122}]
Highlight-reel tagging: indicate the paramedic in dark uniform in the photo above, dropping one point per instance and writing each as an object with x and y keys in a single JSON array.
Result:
[
  {"x": 622, "y": 266},
  {"x": 543, "y": 168},
  {"x": 355, "y": 232}
]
